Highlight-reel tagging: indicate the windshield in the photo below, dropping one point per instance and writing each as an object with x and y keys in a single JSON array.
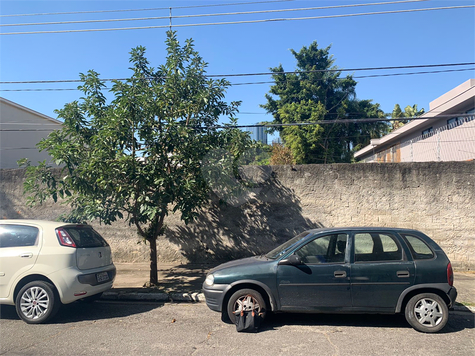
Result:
[{"x": 282, "y": 249}]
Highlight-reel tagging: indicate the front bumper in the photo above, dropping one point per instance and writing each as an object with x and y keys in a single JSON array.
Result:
[{"x": 214, "y": 296}]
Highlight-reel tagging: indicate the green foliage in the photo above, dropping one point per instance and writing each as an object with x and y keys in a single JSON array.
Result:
[
  {"x": 316, "y": 92},
  {"x": 139, "y": 156},
  {"x": 409, "y": 111}
]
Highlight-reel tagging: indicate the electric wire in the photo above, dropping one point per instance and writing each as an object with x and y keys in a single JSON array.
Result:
[
  {"x": 250, "y": 83},
  {"x": 206, "y": 15},
  {"x": 146, "y": 9},
  {"x": 275, "y": 73},
  {"x": 239, "y": 22}
]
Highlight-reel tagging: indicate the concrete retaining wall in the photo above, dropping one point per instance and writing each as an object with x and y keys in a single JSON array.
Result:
[{"x": 437, "y": 198}]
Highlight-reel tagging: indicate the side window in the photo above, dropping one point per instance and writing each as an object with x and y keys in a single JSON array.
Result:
[
  {"x": 376, "y": 247},
  {"x": 363, "y": 244},
  {"x": 325, "y": 249},
  {"x": 18, "y": 235},
  {"x": 419, "y": 249}
]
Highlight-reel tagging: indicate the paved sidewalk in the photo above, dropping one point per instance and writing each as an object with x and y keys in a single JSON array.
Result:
[{"x": 183, "y": 283}]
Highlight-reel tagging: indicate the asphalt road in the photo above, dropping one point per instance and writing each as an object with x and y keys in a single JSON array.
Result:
[{"x": 126, "y": 328}]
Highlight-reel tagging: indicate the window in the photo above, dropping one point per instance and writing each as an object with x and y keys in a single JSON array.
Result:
[
  {"x": 325, "y": 249},
  {"x": 18, "y": 235},
  {"x": 454, "y": 122},
  {"x": 376, "y": 247},
  {"x": 428, "y": 132},
  {"x": 85, "y": 236},
  {"x": 419, "y": 249}
]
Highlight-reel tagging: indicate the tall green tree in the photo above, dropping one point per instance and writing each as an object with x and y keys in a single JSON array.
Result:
[
  {"x": 409, "y": 112},
  {"x": 139, "y": 156},
  {"x": 317, "y": 92}
]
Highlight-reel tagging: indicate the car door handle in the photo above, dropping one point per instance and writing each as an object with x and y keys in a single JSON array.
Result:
[
  {"x": 26, "y": 255},
  {"x": 340, "y": 274},
  {"x": 403, "y": 274}
]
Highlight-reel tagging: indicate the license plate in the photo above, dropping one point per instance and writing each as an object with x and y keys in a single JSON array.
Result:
[{"x": 102, "y": 277}]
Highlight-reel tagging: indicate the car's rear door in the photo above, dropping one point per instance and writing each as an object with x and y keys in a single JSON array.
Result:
[
  {"x": 19, "y": 249},
  {"x": 380, "y": 270},
  {"x": 321, "y": 281}
]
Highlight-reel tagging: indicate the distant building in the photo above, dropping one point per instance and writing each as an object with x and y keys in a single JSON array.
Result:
[
  {"x": 258, "y": 134},
  {"x": 20, "y": 130},
  {"x": 445, "y": 133}
]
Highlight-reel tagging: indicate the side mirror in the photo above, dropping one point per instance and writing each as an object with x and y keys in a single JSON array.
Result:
[{"x": 292, "y": 260}]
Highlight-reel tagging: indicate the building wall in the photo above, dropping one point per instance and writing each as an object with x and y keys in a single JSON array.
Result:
[
  {"x": 437, "y": 198},
  {"x": 452, "y": 144},
  {"x": 21, "y": 130}
]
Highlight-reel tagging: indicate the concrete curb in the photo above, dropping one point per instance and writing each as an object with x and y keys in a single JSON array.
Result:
[{"x": 154, "y": 296}]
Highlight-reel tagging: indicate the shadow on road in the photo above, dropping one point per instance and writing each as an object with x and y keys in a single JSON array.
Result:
[
  {"x": 81, "y": 311},
  {"x": 458, "y": 321}
]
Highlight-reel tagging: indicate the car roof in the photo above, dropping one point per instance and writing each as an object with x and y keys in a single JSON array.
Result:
[
  {"x": 37, "y": 223},
  {"x": 357, "y": 228}
]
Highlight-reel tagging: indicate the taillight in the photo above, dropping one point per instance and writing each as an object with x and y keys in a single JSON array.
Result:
[
  {"x": 64, "y": 238},
  {"x": 450, "y": 275}
]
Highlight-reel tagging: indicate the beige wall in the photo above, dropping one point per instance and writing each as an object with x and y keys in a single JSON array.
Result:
[{"x": 437, "y": 198}]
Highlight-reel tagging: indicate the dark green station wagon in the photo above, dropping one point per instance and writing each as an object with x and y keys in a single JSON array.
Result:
[{"x": 341, "y": 270}]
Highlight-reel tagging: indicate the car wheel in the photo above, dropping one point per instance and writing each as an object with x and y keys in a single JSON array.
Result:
[
  {"x": 246, "y": 299},
  {"x": 427, "y": 312},
  {"x": 37, "y": 302}
]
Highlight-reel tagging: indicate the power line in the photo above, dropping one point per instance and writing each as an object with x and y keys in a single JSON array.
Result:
[
  {"x": 207, "y": 15},
  {"x": 242, "y": 22},
  {"x": 320, "y": 122},
  {"x": 258, "y": 83},
  {"x": 147, "y": 9},
  {"x": 272, "y": 73}
]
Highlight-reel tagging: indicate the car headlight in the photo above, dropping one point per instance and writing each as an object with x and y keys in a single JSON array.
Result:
[{"x": 209, "y": 280}]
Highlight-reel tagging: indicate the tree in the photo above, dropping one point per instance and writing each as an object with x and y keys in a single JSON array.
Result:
[
  {"x": 409, "y": 112},
  {"x": 281, "y": 155},
  {"x": 315, "y": 92},
  {"x": 139, "y": 157}
]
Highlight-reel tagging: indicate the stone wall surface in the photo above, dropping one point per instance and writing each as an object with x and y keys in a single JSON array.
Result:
[{"x": 437, "y": 198}]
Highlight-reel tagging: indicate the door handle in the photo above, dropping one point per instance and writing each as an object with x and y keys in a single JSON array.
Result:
[
  {"x": 403, "y": 274},
  {"x": 340, "y": 274},
  {"x": 26, "y": 255}
]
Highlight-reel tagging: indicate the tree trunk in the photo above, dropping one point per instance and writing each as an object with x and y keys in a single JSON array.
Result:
[{"x": 153, "y": 262}]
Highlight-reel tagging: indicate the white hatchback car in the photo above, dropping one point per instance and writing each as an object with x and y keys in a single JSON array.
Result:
[{"x": 44, "y": 264}]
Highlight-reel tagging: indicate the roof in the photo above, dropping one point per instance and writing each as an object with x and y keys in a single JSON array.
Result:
[
  {"x": 357, "y": 228},
  {"x": 38, "y": 223},
  {"x": 24, "y": 108}
]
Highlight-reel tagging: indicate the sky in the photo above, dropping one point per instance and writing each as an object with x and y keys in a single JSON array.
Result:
[{"x": 381, "y": 40}]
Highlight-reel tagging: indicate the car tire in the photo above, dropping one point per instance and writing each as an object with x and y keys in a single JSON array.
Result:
[
  {"x": 37, "y": 302},
  {"x": 427, "y": 312},
  {"x": 246, "y": 297}
]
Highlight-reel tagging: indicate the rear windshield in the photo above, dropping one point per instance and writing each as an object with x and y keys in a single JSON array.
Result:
[{"x": 85, "y": 236}]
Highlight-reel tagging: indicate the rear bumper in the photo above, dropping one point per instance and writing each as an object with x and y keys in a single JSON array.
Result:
[
  {"x": 73, "y": 284},
  {"x": 452, "y": 295}
]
